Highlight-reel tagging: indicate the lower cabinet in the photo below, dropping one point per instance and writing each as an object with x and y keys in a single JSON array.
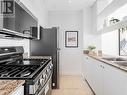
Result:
[
  {"x": 115, "y": 81},
  {"x": 103, "y": 78},
  {"x": 19, "y": 91}
]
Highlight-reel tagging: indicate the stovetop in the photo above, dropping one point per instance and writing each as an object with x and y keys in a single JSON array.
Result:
[
  {"x": 21, "y": 69},
  {"x": 12, "y": 65},
  {"x": 16, "y": 71}
]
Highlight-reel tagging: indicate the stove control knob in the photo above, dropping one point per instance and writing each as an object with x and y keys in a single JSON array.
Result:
[
  {"x": 51, "y": 65},
  {"x": 44, "y": 76},
  {"x": 41, "y": 81},
  {"x": 38, "y": 82},
  {"x": 47, "y": 71}
]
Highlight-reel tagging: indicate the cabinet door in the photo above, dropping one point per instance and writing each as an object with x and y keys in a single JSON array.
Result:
[
  {"x": 105, "y": 79},
  {"x": 124, "y": 86},
  {"x": 97, "y": 76},
  {"x": 93, "y": 73},
  {"x": 19, "y": 91},
  {"x": 115, "y": 81},
  {"x": 88, "y": 70},
  {"x": 85, "y": 68}
]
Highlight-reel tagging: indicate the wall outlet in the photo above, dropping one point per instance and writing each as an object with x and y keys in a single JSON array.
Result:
[{"x": 53, "y": 84}]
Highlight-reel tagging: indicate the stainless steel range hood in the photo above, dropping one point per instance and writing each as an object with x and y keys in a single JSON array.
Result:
[{"x": 5, "y": 33}]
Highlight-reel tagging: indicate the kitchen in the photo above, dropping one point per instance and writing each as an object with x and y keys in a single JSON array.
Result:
[{"x": 50, "y": 63}]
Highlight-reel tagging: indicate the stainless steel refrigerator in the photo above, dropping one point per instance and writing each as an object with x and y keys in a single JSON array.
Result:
[{"x": 48, "y": 45}]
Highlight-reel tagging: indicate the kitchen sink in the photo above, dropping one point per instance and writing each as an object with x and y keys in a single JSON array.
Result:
[
  {"x": 114, "y": 59},
  {"x": 122, "y": 63},
  {"x": 117, "y": 60}
]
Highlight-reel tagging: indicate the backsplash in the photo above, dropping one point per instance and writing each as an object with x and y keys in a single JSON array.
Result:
[
  {"x": 110, "y": 43},
  {"x": 9, "y": 42}
]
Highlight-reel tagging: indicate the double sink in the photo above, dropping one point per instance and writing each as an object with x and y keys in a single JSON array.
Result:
[{"x": 116, "y": 60}]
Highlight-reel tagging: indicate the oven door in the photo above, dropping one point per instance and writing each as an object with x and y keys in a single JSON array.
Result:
[{"x": 47, "y": 89}]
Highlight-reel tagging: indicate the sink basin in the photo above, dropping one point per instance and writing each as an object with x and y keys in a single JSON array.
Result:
[
  {"x": 124, "y": 63},
  {"x": 114, "y": 59}
]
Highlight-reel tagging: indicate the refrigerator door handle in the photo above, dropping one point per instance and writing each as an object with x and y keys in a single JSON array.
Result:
[{"x": 58, "y": 49}]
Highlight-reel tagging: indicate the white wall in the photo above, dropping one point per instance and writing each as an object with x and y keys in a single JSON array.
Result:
[
  {"x": 90, "y": 35},
  {"x": 38, "y": 8},
  {"x": 70, "y": 58}
]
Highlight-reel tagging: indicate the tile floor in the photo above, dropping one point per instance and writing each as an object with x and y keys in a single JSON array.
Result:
[{"x": 72, "y": 85}]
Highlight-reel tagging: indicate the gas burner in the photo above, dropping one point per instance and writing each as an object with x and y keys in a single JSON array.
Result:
[
  {"x": 11, "y": 71},
  {"x": 25, "y": 74}
]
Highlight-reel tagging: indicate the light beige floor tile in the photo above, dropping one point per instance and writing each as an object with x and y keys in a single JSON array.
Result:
[
  {"x": 70, "y": 82},
  {"x": 57, "y": 92},
  {"x": 72, "y": 85}
]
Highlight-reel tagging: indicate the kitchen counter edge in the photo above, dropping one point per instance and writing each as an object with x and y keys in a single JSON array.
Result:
[{"x": 99, "y": 58}]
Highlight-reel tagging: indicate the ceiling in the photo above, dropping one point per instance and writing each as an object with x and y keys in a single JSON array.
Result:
[{"x": 58, "y": 5}]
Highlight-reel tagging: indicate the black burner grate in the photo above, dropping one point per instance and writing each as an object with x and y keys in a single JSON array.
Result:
[{"x": 17, "y": 71}]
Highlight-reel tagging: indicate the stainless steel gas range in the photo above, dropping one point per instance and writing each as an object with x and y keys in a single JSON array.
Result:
[{"x": 36, "y": 73}]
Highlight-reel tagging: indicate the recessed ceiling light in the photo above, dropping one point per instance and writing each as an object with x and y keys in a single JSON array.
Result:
[{"x": 69, "y": 1}]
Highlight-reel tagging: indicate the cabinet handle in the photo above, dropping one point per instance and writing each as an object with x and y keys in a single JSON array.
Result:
[{"x": 102, "y": 66}]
